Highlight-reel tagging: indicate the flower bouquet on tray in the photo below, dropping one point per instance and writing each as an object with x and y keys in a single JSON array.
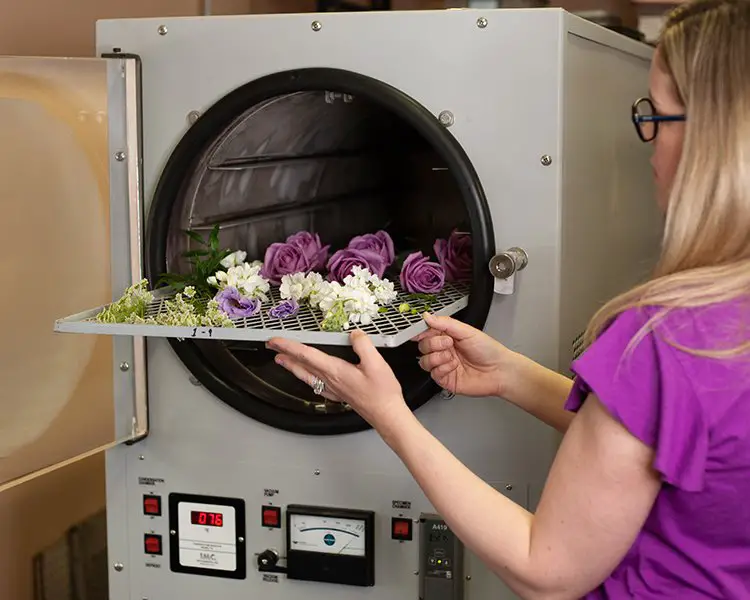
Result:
[{"x": 347, "y": 288}]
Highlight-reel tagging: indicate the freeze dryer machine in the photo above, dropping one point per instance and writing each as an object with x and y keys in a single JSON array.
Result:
[{"x": 514, "y": 125}]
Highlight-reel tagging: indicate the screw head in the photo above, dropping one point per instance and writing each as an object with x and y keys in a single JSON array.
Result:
[
  {"x": 316, "y": 472},
  {"x": 141, "y": 457},
  {"x": 241, "y": 540},
  {"x": 193, "y": 116},
  {"x": 118, "y": 566},
  {"x": 162, "y": 30},
  {"x": 316, "y": 25},
  {"x": 481, "y": 22},
  {"x": 509, "y": 487},
  {"x": 119, "y": 156},
  {"x": 172, "y": 532},
  {"x": 446, "y": 118},
  {"x": 546, "y": 160},
  {"x": 468, "y": 578},
  {"x": 124, "y": 367}
]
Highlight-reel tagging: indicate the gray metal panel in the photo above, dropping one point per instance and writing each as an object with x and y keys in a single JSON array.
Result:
[
  {"x": 506, "y": 123},
  {"x": 120, "y": 520},
  {"x": 131, "y": 408},
  {"x": 610, "y": 222},
  {"x": 504, "y": 84}
]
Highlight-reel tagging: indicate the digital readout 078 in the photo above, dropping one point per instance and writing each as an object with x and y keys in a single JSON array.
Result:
[{"x": 209, "y": 519}]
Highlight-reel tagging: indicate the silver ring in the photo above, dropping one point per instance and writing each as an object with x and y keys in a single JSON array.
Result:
[{"x": 318, "y": 386}]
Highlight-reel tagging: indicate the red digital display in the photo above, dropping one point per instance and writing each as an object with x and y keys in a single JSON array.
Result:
[{"x": 210, "y": 519}]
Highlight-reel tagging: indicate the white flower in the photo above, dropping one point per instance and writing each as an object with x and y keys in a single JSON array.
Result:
[
  {"x": 234, "y": 259},
  {"x": 328, "y": 296},
  {"x": 385, "y": 292},
  {"x": 383, "y": 289},
  {"x": 246, "y": 278},
  {"x": 319, "y": 288},
  {"x": 361, "y": 306},
  {"x": 300, "y": 287},
  {"x": 356, "y": 302},
  {"x": 295, "y": 287}
]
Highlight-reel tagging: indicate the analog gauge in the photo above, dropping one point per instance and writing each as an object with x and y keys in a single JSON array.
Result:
[{"x": 327, "y": 535}]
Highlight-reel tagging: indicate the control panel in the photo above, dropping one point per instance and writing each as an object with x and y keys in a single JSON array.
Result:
[
  {"x": 324, "y": 544},
  {"x": 441, "y": 560}
]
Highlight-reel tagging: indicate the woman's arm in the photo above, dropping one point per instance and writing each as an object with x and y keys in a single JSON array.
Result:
[
  {"x": 599, "y": 492},
  {"x": 538, "y": 390}
]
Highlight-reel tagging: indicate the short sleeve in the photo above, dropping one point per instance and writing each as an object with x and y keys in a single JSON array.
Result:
[{"x": 645, "y": 388}]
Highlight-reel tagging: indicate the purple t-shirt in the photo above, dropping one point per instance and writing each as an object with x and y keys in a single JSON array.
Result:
[{"x": 694, "y": 412}]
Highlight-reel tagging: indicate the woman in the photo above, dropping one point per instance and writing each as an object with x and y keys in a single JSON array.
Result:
[{"x": 649, "y": 496}]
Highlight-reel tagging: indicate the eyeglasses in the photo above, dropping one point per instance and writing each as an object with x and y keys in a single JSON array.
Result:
[{"x": 646, "y": 120}]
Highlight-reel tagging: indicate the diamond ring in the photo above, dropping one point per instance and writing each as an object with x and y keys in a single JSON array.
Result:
[{"x": 318, "y": 386}]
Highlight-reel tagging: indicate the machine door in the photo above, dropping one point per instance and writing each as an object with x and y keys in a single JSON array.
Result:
[{"x": 62, "y": 119}]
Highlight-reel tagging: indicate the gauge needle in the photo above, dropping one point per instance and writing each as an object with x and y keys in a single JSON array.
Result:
[{"x": 344, "y": 547}]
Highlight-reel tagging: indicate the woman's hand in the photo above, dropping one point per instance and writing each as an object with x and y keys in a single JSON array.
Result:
[
  {"x": 462, "y": 359},
  {"x": 370, "y": 387}
]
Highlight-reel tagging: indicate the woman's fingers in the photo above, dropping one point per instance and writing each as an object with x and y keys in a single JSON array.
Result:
[
  {"x": 363, "y": 347},
  {"x": 312, "y": 358},
  {"x": 435, "y": 344},
  {"x": 426, "y": 334},
  {"x": 450, "y": 326},
  {"x": 431, "y": 361},
  {"x": 297, "y": 369},
  {"x": 443, "y": 370}
]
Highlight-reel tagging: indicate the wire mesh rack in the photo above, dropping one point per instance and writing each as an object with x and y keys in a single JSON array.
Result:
[{"x": 390, "y": 328}]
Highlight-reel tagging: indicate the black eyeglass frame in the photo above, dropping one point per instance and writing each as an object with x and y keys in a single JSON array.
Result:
[{"x": 639, "y": 119}]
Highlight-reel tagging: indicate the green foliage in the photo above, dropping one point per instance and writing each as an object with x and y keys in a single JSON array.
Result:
[
  {"x": 131, "y": 306},
  {"x": 336, "y": 318},
  {"x": 204, "y": 262}
]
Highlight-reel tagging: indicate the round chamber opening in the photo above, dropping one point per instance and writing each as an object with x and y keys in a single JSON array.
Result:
[{"x": 328, "y": 151}]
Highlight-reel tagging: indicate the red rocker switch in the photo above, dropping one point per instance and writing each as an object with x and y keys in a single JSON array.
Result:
[
  {"x": 271, "y": 516},
  {"x": 401, "y": 529}
]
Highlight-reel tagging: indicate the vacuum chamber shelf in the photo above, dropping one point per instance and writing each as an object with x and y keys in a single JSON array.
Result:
[{"x": 390, "y": 329}]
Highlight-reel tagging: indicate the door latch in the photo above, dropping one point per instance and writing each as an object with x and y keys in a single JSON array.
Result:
[{"x": 504, "y": 267}]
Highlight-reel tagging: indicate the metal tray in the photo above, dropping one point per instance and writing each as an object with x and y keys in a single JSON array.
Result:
[{"x": 388, "y": 330}]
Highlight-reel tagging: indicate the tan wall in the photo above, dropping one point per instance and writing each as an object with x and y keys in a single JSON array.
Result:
[
  {"x": 66, "y": 27},
  {"x": 34, "y": 515}
]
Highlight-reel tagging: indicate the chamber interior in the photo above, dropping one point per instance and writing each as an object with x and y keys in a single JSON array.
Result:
[{"x": 325, "y": 162}]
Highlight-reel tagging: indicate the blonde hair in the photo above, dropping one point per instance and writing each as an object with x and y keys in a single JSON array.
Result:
[{"x": 705, "y": 255}]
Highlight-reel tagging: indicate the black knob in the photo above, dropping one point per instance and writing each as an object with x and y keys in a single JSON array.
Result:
[{"x": 267, "y": 559}]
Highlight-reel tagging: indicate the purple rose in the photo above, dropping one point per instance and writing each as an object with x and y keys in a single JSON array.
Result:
[
  {"x": 379, "y": 242},
  {"x": 301, "y": 253},
  {"x": 284, "y": 309},
  {"x": 455, "y": 256},
  {"x": 341, "y": 263},
  {"x": 314, "y": 251},
  {"x": 420, "y": 276},
  {"x": 235, "y": 304}
]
